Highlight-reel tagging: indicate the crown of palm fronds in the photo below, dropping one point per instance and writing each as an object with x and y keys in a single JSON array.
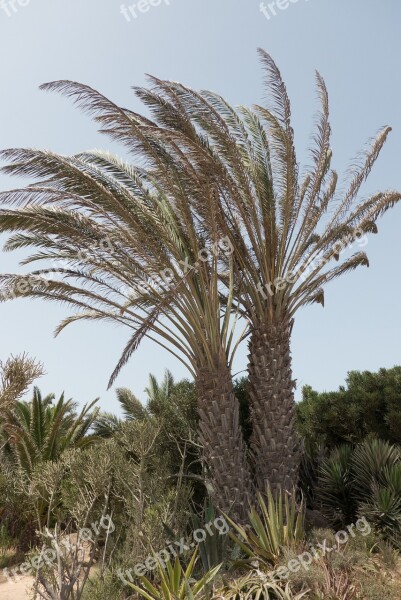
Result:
[
  {"x": 206, "y": 171},
  {"x": 40, "y": 431},
  {"x": 109, "y": 228},
  {"x": 286, "y": 229}
]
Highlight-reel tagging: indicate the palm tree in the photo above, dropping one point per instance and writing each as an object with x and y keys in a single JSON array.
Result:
[
  {"x": 38, "y": 431},
  {"x": 160, "y": 393},
  {"x": 211, "y": 171},
  {"x": 171, "y": 410},
  {"x": 107, "y": 424},
  {"x": 111, "y": 227},
  {"x": 133, "y": 409},
  {"x": 286, "y": 229},
  {"x": 160, "y": 399}
]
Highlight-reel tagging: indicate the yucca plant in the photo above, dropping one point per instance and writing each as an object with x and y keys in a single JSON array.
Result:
[
  {"x": 363, "y": 481},
  {"x": 336, "y": 486},
  {"x": 176, "y": 583},
  {"x": 273, "y": 524},
  {"x": 372, "y": 462},
  {"x": 213, "y": 549},
  {"x": 382, "y": 509}
]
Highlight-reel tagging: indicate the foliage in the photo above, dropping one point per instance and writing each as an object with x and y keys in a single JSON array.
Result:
[
  {"x": 274, "y": 523},
  {"x": 176, "y": 583},
  {"x": 336, "y": 486},
  {"x": 171, "y": 408},
  {"x": 257, "y": 586},
  {"x": 358, "y": 569},
  {"x": 34, "y": 434},
  {"x": 38, "y": 431},
  {"x": 363, "y": 481},
  {"x": 369, "y": 403},
  {"x": 213, "y": 550},
  {"x": 16, "y": 375},
  {"x": 105, "y": 588},
  {"x": 83, "y": 520}
]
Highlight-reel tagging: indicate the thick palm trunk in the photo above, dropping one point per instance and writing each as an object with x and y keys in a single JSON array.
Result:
[
  {"x": 274, "y": 442},
  {"x": 224, "y": 447}
]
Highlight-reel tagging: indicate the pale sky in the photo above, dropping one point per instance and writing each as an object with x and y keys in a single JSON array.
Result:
[{"x": 210, "y": 44}]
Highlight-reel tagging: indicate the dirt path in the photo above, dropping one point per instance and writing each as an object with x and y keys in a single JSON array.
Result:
[{"x": 15, "y": 591}]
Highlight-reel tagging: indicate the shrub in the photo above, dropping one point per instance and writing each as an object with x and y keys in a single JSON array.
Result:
[
  {"x": 370, "y": 403},
  {"x": 363, "y": 481}
]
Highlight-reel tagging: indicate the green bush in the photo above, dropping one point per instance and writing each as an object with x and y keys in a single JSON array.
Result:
[
  {"x": 363, "y": 481},
  {"x": 370, "y": 403}
]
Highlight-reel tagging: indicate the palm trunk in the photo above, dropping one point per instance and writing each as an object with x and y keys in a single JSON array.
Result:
[
  {"x": 223, "y": 444},
  {"x": 274, "y": 441}
]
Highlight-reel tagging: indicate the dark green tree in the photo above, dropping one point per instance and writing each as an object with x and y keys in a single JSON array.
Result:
[{"x": 369, "y": 403}]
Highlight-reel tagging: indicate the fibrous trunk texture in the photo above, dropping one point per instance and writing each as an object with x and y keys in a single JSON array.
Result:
[
  {"x": 222, "y": 439},
  {"x": 275, "y": 443}
]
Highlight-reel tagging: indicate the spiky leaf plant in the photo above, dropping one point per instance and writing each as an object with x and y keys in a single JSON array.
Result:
[
  {"x": 175, "y": 582},
  {"x": 336, "y": 486},
  {"x": 258, "y": 586},
  {"x": 39, "y": 431},
  {"x": 273, "y": 524},
  {"x": 371, "y": 462},
  {"x": 364, "y": 481}
]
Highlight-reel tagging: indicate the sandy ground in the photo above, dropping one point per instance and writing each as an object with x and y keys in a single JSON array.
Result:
[
  {"x": 19, "y": 590},
  {"x": 15, "y": 591}
]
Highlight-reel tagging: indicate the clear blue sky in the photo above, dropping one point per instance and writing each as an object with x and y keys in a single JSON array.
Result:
[{"x": 211, "y": 44}]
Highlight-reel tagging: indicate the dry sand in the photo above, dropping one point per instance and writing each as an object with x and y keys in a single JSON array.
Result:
[{"x": 15, "y": 591}]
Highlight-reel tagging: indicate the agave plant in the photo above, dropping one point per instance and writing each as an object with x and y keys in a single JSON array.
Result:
[
  {"x": 176, "y": 583},
  {"x": 257, "y": 586},
  {"x": 275, "y": 523}
]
